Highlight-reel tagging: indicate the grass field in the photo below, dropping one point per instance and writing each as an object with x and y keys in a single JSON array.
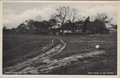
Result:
[
  {"x": 80, "y": 44},
  {"x": 17, "y": 48}
]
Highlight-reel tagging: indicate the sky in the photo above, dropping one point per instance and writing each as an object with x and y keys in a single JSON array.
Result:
[{"x": 15, "y": 13}]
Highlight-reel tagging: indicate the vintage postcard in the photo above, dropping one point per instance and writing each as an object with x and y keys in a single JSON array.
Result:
[{"x": 60, "y": 39}]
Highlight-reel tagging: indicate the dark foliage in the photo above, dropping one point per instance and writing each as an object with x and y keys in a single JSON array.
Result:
[{"x": 45, "y": 27}]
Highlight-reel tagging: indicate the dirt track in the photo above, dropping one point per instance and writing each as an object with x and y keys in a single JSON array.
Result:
[
  {"x": 43, "y": 63},
  {"x": 31, "y": 65}
]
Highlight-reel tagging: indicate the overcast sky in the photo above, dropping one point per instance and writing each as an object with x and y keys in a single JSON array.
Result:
[{"x": 16, "y": 13}]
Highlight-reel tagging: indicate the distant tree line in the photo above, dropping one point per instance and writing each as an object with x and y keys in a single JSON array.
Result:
[{"x": 64, "y": 21}]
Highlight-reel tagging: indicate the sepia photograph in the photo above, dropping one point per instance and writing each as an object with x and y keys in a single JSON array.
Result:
[{"x": 59, "y": 38}]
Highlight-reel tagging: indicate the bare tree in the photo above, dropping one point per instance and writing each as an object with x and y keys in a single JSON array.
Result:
[
  {"x": 72, "y": 15},
  {"x": 64, "y": 14},
  {"x": 103, "y": 17},
  {"x": 100, "y": 22}
]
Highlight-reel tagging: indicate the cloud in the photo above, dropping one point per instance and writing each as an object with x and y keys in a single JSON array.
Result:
[
  {"x": 12, "y": 17},
  {"x": 9, "y": 11}
]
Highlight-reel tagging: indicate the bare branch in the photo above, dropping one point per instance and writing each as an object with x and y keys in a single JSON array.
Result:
[{"x": 64, "y": 14}]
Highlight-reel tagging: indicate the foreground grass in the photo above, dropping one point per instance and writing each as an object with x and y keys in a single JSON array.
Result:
[
  {"x": 19, "y": 47},
  {"x": 81, "y": 44}
]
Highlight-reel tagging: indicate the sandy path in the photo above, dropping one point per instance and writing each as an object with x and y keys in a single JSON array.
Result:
[
  {"x": 31, "y": 65},
  {"x": 43, "y": 63},
  {"x": 68, "y": 60}
]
